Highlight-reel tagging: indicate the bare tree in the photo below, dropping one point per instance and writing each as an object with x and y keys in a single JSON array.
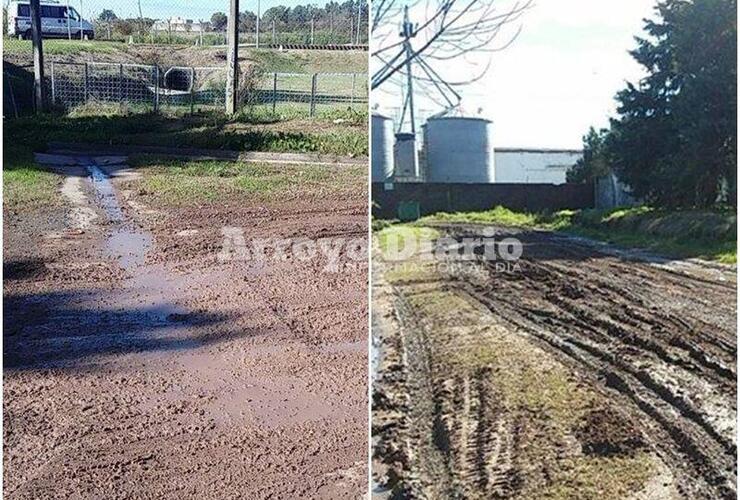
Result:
[{"x": 446, "y": 30}]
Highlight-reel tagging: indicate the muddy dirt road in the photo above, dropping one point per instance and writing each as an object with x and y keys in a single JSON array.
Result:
[
  {"x": 574, "y": 374},
  {"x": 138, "y": 364}
]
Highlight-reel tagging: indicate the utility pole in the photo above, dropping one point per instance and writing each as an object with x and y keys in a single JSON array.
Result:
[
  {"x": 257, "y": 43},
  {"x": 312, "y": 31},
  {"x": 359, "y": 19},
  {"x": 69, "y": 27},
  {"x": 38, "y": 56},
  {"x": 273, "y": 32},
  {"x": 232, "y": 57},
  {"x": 408, "y": 34},
  {"x": 141, "y": 22}
]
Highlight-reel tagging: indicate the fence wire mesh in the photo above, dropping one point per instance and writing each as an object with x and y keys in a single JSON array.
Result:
[
  {"x": 115, "y": 51},
  {"x": 131, "y": 85},
  {"x": 196, "y": 22},
  {"x": 148, "y": 88},
  {"x": 310, "y": 93}
]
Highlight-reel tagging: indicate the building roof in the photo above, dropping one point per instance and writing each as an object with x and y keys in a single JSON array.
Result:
[{"x": 537, "y": 150}]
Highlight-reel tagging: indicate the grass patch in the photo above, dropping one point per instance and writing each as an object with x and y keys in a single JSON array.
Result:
[
  {"x": 25, "y": 184},
  {"x": 309, "y": 61},
  {"x": 13, "y": 46},
  {"x": 400, "y": 236},
  {"x": 497, "y": 215},
  {"x": 264, "y": 114},
  {"x": 609, "y": 478},
  {"x": 705, "y": 234},
  {"x": 112, "y": 125},
  {"x": 186, "y": 182}
]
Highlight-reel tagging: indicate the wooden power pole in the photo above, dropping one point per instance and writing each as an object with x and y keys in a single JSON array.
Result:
[
  {"x": 38, "y": 57},
  {"x": 232, "y": 57}
]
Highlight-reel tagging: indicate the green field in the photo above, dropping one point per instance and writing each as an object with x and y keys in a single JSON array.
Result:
[
  {"x": 705, "y": 234},
  {"x": 13, "y": 46},
  {"x": 187, "y": 182}
]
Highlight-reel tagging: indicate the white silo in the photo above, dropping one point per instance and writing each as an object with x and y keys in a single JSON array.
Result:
[
  {"x": 459, "y": 149},
  {"x": 406, "y": 159},
  {"x": 382, "y": 148}
]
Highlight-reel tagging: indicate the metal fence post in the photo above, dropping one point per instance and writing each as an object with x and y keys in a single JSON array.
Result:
[
  {"x": 53, "y": 86},
  {"x": 87, "y": 82},
  {"x": 313, "y": 94},
  {"x": 120, "y": 84},
  {"x": 274, "y": 92},
  {"x": 257, "y": 30},
  {"x": 352, "y": 97},
  {"x": 156, "y": 88},
  {"x": 9, "y": 79},
  {"x": 192, "y": 91}
]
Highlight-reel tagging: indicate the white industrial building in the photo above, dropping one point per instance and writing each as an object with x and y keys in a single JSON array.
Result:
[
  {"x": 179, "y": 24},
  {"x": 533, "y": 166},
  {"x": 458, "y": 149}
]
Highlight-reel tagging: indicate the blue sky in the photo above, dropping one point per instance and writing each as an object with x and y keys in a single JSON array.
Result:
[
  {"x": 190, "y": 9},
  {"x": 559, "y": 76}
]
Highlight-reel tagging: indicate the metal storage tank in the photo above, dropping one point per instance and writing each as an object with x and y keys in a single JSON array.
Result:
[
  {"x": 406, "y": 159},
  {"x": 382, "y": 148},
  {"x": 459, "y": 150}
]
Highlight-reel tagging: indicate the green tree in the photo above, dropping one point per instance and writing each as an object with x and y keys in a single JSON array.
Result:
[
  {"x": 219, "y": 21},
  {"x": 595, "y": 161},
  {"x": 280, "y": 14},
  {"x": 124, "y": 26},
  {"x": 675, "y": 139},
  {"x": 107, "y": 16},
  {"x": 247, "y": 21}
]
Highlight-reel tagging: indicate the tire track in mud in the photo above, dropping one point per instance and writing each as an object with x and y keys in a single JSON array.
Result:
[
  {"x": 619, "y": 323},
  {"x": 459, "y": 441}
]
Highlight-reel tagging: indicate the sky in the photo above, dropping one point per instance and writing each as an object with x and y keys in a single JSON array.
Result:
[{"x": 559, "y": 76}]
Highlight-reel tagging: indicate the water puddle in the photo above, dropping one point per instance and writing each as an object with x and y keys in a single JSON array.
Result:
[
  {"x": 375, "y": 349},
  {"x": 128, "y": 245},
  {"x": 106, "y": 194}
]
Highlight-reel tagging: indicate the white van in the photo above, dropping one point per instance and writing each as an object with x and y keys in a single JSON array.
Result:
[{"x": 57, "y": 21}]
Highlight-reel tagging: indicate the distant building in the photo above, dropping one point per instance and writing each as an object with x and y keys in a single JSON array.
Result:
[
  {"x": 181, "y": 25},
  {"x": 534, "y": 166}
]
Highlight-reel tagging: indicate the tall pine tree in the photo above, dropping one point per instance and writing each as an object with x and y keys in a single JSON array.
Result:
[{"x": 675, "y": 139}]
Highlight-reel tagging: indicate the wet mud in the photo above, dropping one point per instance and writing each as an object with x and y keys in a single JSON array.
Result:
[
  {"x": 633, "y": 360},
  {"x": 139, "y": 365}
]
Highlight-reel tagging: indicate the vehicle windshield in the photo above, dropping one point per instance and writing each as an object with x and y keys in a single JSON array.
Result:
[{"x": 72, "y": 14}]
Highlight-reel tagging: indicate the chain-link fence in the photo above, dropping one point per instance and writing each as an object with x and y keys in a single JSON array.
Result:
[
  {"x": 197, "y": 22},
  {"x": 119, "y": 51},
  {"x": 331, "y": 24},
  {"x": 310, "y": 93},
  {"x": 151, "y": 88},
  {"x": 137, "y": 86}
]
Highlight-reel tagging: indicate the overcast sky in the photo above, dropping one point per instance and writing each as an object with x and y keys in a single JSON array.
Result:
[{"x": 560, "y": 75}]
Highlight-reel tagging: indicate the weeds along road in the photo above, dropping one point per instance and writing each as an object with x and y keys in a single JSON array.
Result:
[
  {"x": 576, "y": 374},
  {"x": 139, "y": 364}
]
